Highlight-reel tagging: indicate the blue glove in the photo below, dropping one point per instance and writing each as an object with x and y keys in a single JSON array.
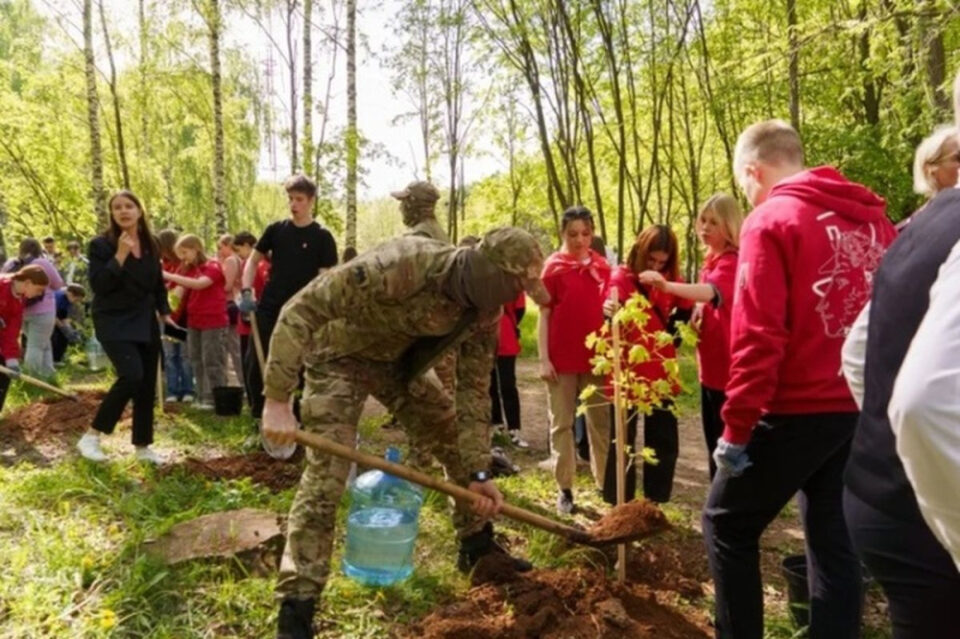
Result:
[
  {"x": 731, "y": 457},
  {"x": 14, "y": 366},
  {"x": 247, "y": 305}
]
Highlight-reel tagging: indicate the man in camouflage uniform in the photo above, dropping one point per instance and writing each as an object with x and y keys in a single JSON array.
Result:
[
  {"x": 417, "y": 205},
  {"x": 376, "y": 326}
]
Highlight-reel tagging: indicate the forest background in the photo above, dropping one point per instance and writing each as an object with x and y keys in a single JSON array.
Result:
[{"x": 520, "y": 108}]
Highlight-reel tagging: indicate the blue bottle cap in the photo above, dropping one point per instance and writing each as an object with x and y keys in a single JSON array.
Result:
[{"x": 392, "y": 455}]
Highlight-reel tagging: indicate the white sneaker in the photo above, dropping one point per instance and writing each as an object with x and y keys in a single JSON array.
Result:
[
  {"x": 89, "y": 447},
  {"x": 518, "y": 441},
  {"x": 187, "y": 399},
  {"x": 147, "y": 454},
  {"x": 170, "y": 399},
  {"x": 549, "y": 464},
  {"x": 203, "y": 406}
]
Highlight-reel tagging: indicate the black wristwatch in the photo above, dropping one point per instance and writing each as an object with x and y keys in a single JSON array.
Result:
[{"x": 481, "y": 476}]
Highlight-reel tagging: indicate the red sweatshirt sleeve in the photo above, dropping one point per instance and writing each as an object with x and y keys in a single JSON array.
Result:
[
  {"x": 759, "y": 332},
  {"x": 11, "y": 310}
]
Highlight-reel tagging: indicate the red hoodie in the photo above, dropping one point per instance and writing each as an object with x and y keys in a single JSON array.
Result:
[
  {"x": 807, "y": 257},
  {"x": 11, "y": 312}
]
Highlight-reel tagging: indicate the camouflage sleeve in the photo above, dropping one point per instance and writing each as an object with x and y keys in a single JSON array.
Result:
[
  {"x": 323, "y": 299},
  {"x": 474, "y": 363}
]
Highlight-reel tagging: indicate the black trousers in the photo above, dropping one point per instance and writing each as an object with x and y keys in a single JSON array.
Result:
[
  {"x": 245, "y": 365},
  {"x": 711, "y": 403},
  {"x": 136, "y": 367},
  {"x": 805, "y": 453},
  {"x": 918, "y": 577},
  {"x": 504, "y": 397},
  {"x": 660, "y": 433},
  {"x": 58, "y": 343},
  {"x": 4, "y": 387},
  {"x": 266, "y": 322}
]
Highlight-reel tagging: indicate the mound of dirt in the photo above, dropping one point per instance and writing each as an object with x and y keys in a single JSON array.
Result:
[
  {"x": 633, "y": 520},
  {"x": 556, "y": 604},
  {"x": 46, "y": 429},
  {"x": 275, "y": 474},
  {"x": 673, "y": 563}
]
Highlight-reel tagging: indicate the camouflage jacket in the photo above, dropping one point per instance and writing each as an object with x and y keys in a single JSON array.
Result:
[
  {"x": 376, "y": 307},
  {"x": 428, "y": 227}
]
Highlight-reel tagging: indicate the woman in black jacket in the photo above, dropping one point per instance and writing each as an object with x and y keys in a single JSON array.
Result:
[{"x": 128, "y": 296}]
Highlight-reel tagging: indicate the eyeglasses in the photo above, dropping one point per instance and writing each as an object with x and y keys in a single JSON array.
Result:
[{"x": 953, "y": 157}]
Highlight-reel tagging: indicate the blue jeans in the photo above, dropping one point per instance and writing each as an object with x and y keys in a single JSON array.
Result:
[{"x": 177, "y": 369}]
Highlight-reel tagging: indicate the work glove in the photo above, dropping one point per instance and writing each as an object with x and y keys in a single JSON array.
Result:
[
  {"x": 14, "y": 366},
  {"x": 731, "y": 457},
  {"x": 247, "y": 304}
]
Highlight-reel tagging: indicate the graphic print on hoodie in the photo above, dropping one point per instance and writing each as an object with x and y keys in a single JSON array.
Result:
[{"x": 807, "y": 258}]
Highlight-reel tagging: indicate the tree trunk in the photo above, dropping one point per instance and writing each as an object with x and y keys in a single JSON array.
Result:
[
  {"x": 352, "y": 134},
  {"x": 93, "y": 115},
  {"x": 935, "y": 60},
  {"x": 292, "y": 69},
  {"x": 793, "y": 64},
  {"x": 307, "y": 89},
  {"x": 118, "y": 122},
  {"x": 219, "y": 170},
  {"x": 144, "y": 122}
]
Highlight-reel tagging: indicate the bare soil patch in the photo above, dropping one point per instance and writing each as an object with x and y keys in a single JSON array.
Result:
[
  {"x": 275, "y": 474},
  {"x": 45, "y": 430},
  {"x": 554, "y": 604}
]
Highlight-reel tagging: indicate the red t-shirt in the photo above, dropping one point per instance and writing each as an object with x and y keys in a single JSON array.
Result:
[
  {"x": 509, "y": 344},
  {"x": 11, "y": 312},
  {"x": 713, "y": 349},
  {"x": 259, "y": 282},
  {"x": 576, "y": 309},
  {"x": 207, "y": 307}
]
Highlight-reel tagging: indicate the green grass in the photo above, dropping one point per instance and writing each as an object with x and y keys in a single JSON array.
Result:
[{"x": 72, "y": 539}]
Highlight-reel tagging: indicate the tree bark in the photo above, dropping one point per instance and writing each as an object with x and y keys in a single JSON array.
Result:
[
  {"x": 219, "y": 169},
  {"x": 118, "y": 121},
  {"x": 352, "y": 134},
  {"x": 93, "y": 115},
  {"x": 292, "y": 69},
  {"x": 793, "y": 64},
  {"x": 144, "y": 49},
  {"x": 307, "y": 89}
]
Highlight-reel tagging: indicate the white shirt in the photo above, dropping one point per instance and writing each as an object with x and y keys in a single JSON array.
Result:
[
  {"x": 924, "y": 409},
  {"x": 853, "y": 355}
]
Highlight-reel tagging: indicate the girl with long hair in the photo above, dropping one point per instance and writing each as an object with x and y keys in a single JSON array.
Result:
[
  {"x": 128, "y": 298},
  {"x": 207, "y": 320},
  {"x": 718, "y": 225},
  {"x": 176, "y": 362},
  {"x": 28, "y": 283}
]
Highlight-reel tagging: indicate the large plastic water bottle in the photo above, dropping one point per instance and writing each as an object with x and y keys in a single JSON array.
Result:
[
  {"x": 96, "y": 358},
  {"x": 381, "y": 527}
]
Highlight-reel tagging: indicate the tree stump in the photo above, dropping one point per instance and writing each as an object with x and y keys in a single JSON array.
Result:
[{"x": 254, "y": 538}]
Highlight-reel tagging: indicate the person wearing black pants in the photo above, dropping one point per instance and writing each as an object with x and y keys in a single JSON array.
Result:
[
  {"x": 660, "y": 432},
  {"x": 128, "y": 295},
  {"x": 711, "y": 404},
  {"x": 804, "y": 453},
  {"x": 504, "y": 397}
]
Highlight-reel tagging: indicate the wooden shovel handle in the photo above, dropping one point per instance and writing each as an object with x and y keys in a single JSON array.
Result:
[
  {"x": 457, "y": 492},
  {"x": 38, "y": 383}
]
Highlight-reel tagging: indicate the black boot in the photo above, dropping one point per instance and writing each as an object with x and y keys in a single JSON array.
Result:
[
  {"x": 296, "y": 619},
  {"x": 477, "y": 545}
]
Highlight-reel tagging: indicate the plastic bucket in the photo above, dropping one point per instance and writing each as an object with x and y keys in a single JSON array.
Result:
[
  {"x": 227, "y": 400},
  {"x": 794, "y": 570}
]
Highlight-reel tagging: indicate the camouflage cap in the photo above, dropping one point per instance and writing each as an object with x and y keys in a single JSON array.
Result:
[
  {"x": 420, "y": 191},
  {"x": 516, "y": 252}
]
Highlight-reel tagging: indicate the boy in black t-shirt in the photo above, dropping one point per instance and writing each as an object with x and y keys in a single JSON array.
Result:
[{"x": 299, "y": 249}]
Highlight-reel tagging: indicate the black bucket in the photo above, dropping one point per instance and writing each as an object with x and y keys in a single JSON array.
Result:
[
  {"x": 794, "y": 570},
  {"x": 227, "y": 400}
]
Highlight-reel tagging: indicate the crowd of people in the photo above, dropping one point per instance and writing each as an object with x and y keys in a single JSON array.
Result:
[{"x": 814, "y": 281}]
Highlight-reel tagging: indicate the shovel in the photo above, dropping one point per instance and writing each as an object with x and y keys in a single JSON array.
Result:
[
  {"x": 39, "y": 383},
  {"x": 639, "y": 529}
]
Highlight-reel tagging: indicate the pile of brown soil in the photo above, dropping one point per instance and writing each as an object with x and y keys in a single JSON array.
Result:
[
  {"x": 555, "y": 604},
  {"x": 633, "y": 520},
  {"x": 48, "y": 428},
  {"x": 275, "y": 474},
  {"x": 676, "y": 563}
]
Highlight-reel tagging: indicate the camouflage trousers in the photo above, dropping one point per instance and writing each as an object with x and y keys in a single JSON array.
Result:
[{"x": 332, "y": 401}]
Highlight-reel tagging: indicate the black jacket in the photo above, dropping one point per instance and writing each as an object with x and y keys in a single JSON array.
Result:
[{"x": 126, "y": 299}]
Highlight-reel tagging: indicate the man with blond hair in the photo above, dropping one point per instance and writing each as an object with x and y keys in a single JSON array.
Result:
[
  {"x": 902, "y": 480},
  {"x": 807, "y": 256}
]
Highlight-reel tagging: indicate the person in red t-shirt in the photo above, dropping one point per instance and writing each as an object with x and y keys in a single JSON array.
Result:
[
  {"x": 655, "y": 251},
  {"x": 719, "y": 227},
  {"x": 575, "y": 277},
  {"x": 504, "y": 397},
  {"x": 243, "y": 244},
  {"x": 178, "y": 374},
  {"x": 29, "y": 282},
  {"x": 207, "y": 321}
]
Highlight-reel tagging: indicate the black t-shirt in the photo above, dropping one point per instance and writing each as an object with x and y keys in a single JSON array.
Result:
[{"x": 297, "y": 253}]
